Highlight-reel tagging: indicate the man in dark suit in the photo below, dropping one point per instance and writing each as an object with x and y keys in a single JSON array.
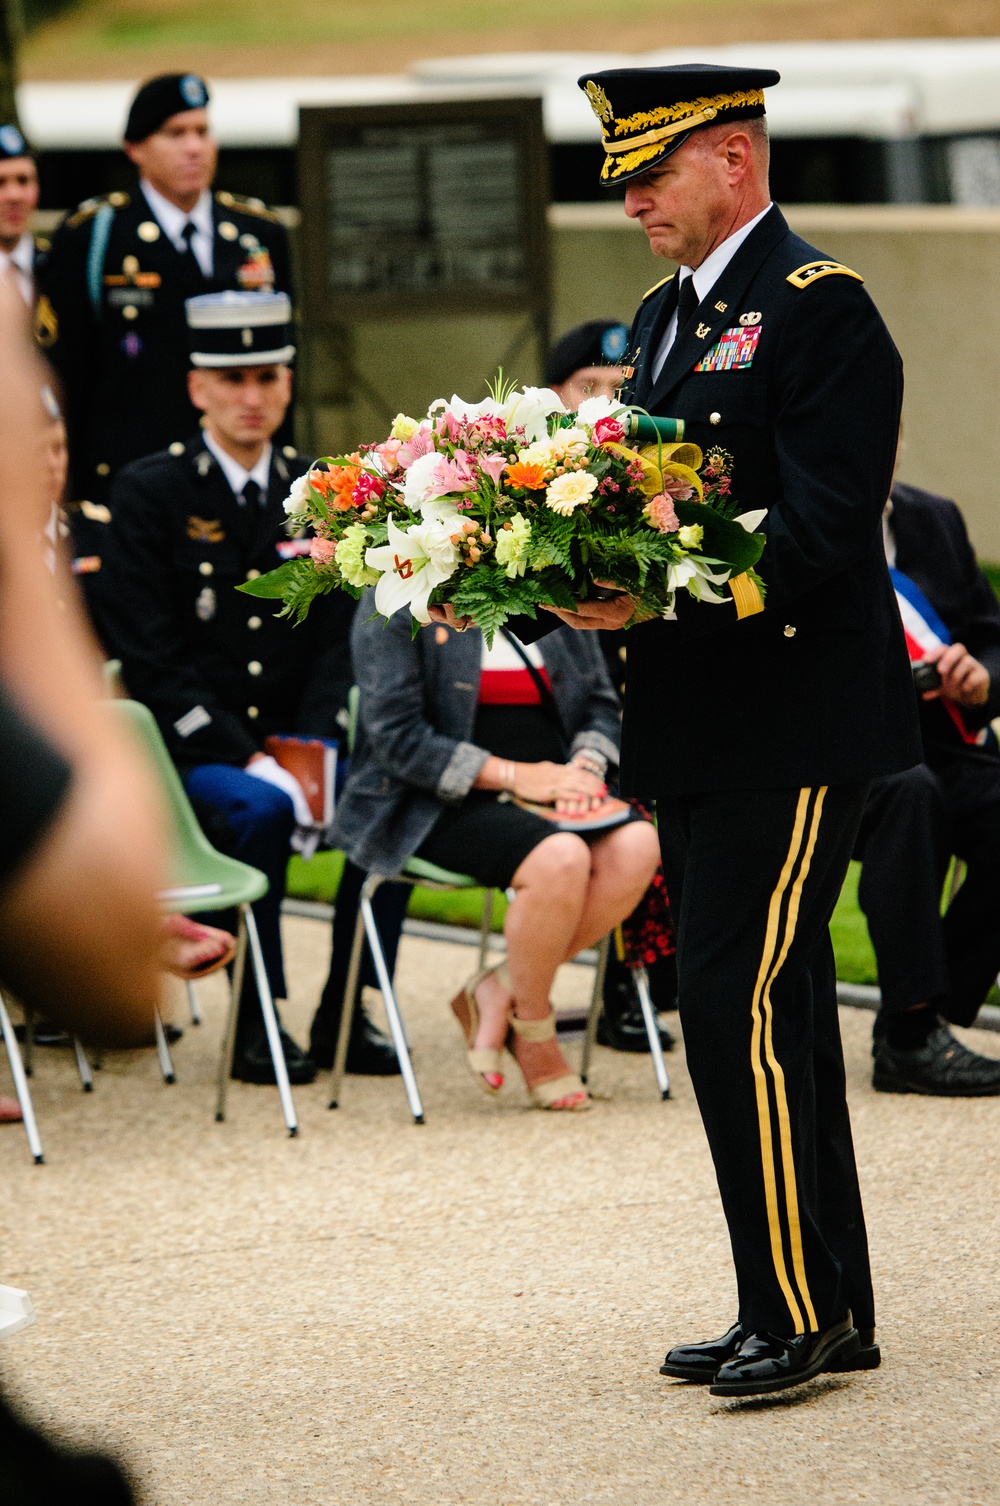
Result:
[
  {"x": 120, "y": 270},
  {"x": 758, "y": 723},
  {"x": 221, "y": 670},
  {"x": 931, "y": 966}
]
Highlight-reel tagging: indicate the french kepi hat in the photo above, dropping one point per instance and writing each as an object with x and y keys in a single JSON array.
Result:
[
  {"x": 647, "y": 113},
  {"x": 240, "y": 329},
  {"x": 159, "y": 98},
  {"x": 599, "y": 342},
  {"x": 13, "y": 144}
]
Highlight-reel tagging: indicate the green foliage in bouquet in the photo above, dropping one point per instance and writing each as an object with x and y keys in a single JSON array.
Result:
[{"x": 502, "y": 506}]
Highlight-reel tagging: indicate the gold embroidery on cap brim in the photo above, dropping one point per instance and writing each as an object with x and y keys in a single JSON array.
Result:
[{"x": 664, "y": 114}]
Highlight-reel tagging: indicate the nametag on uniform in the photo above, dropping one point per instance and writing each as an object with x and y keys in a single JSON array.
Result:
[
  {"x": 292, "y": 548},
  {"x": 140, "y": 298},
  {"x": 733, "y": 351}
]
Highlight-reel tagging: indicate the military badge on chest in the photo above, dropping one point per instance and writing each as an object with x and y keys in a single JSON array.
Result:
[
  {"x": 735, "y": 348},
  {"x": 256, "y": 273}
]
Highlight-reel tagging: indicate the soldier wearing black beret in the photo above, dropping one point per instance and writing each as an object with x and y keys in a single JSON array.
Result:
[
  {"x": 758, "y": 724},
  {"x": 118, "y": 274}
]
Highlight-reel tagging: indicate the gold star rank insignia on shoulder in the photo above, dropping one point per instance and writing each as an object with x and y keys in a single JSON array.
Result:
[{"x": 812, "y": 271}]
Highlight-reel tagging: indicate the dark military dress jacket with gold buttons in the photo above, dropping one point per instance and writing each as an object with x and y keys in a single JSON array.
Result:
[
  {"x": 111, "y": 319},
  {"x": 788, "y": 366},
  {"x": 219, "y": 669}
]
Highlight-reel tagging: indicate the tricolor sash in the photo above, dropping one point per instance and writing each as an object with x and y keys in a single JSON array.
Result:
[{"x": 925, "y": 631}]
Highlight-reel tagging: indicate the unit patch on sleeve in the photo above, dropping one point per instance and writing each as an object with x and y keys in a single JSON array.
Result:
[{"x": 733, "y": 351}]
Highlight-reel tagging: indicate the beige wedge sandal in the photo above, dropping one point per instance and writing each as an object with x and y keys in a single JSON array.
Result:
[
  {"x": 551, "y": 1093},
  {"x": 485, "y": 1062}
]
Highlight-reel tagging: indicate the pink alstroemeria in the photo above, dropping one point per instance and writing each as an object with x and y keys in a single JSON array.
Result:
[
  {"x": 322, "y": 551},
  {"x": 660, "y": 512},
  {"x": 420, "y": 443},
  {"x": 493, "y": 465},
  {"x": 388, "y": 453},
  {"x": 488, "y": 428},
  {"x": 608, "y": 431},
  {"x": 447, "y": 426},
  {"x": 451, "y": 475}
]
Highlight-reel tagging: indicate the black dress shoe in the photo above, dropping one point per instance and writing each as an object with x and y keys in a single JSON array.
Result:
[
  {"x": 765, "y": 1362},
  {"x": 700, "y": 1362},
  {"x": 370, "y": 1053},
  {"x": 942, "y": 1067},
  {"x": 621, "y": 1025},
  {"x": 252, "y": 1061}
]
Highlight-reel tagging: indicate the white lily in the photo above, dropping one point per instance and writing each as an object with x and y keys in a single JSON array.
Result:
[
  {"x": 411, "y": 564},
  {"x": 529, "y": 410},
  {"x": 592, "y": 409},
  {"x": 749, "y": 520},
  {"x": 466, "y": 413},
  {"x": 693, "y": 575}
]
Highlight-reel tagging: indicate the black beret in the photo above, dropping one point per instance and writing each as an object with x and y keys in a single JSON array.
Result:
[
  {"x": 159, "y": 98},
  {"x": 599, "y": 342},
  {"x": 12, "y": 143},
  {"x": 647, "y": 113}
]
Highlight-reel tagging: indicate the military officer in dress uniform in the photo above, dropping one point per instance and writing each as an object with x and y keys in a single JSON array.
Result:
[
  {"x": 120, "y": 270},
  {"x": 759, "y": 723},
  {"x": 22, "y": 252},
  {"x": 220, "y": 670}
]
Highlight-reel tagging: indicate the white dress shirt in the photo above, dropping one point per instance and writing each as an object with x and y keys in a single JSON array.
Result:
[
  {"x": 705, "y": 278},
  {"x": 234, "y": 472},
  {"x": 172, "y": 220},
  {"x": 21, "y": 261}
]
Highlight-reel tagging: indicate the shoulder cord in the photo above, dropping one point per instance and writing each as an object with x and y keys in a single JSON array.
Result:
[{"x": 99, "y": 235}]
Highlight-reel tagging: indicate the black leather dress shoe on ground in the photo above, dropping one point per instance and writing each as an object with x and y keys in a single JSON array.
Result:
[
  {"x": 766, "y": 1362},
  {"x": 252, "y": 1061},
  {"x": 370, "y": 1053},
  {"x": 868, "y": 1357},
  {"x": 699, "y": 1363},
  {"x": 942, "y": 1067}
]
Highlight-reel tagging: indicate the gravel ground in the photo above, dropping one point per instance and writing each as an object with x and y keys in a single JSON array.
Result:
[{"x": 473, "y": 1310}]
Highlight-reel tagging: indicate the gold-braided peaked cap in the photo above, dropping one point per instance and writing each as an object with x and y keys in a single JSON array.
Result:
[{"x": 647, "y": 113}]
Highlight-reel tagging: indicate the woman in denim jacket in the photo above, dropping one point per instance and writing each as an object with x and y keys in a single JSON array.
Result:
[{"x": 451, "y": 737}]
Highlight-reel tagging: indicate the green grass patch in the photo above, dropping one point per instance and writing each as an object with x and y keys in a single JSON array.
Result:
[{"x": 320, "y": 879}]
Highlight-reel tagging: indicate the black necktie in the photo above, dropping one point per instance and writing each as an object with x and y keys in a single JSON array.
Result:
[
  {"x": 687, "y": 302},
  {"x": 252, "y": 495},
  {"x": 188, "y": 233}
]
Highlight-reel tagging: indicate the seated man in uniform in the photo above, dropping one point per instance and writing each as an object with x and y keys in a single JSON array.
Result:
[
  {"x": 120, "y": 269},
  {"x": 220, "y": 670},
  {"x": 935, "y": 968}
]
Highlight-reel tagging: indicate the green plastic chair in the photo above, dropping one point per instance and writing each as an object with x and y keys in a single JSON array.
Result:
[
  {"x": 203, "y": 879},
  {"x": 419, "y": 871}
]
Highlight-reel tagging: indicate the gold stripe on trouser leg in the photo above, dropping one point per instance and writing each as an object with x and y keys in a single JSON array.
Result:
[
  {"x": 757, "y": 1062},
  {"x": 780, "y": 1098}
]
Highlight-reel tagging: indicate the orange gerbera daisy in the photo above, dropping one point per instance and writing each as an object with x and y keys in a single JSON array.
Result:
[{"x": 525, "y": 475}]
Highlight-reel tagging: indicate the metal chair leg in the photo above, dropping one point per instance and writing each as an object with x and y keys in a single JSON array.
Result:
[
  {"x": 389, "y": 998},
  {"x": 347, "y": 1009},
  {"x": 271, "y": 1024},
  {"x": 21, "y": 1084},
  {"x": 486, "y": 927},
  {"x": 193, "y": 1004},
  {"x": 83, "y": 1066},
  {"x": 29, "y": 1042},
  {"x": 594, "y": 1012},
  {"x": 163, "y": 1050},
  {"x": 229, "y": 1037},
  {"x": 640, "y": 979}
]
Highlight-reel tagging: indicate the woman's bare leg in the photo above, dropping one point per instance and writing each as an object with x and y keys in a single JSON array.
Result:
[
  {"x": 550, "y": 890},
  {"x": 622, "y": 868}
]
